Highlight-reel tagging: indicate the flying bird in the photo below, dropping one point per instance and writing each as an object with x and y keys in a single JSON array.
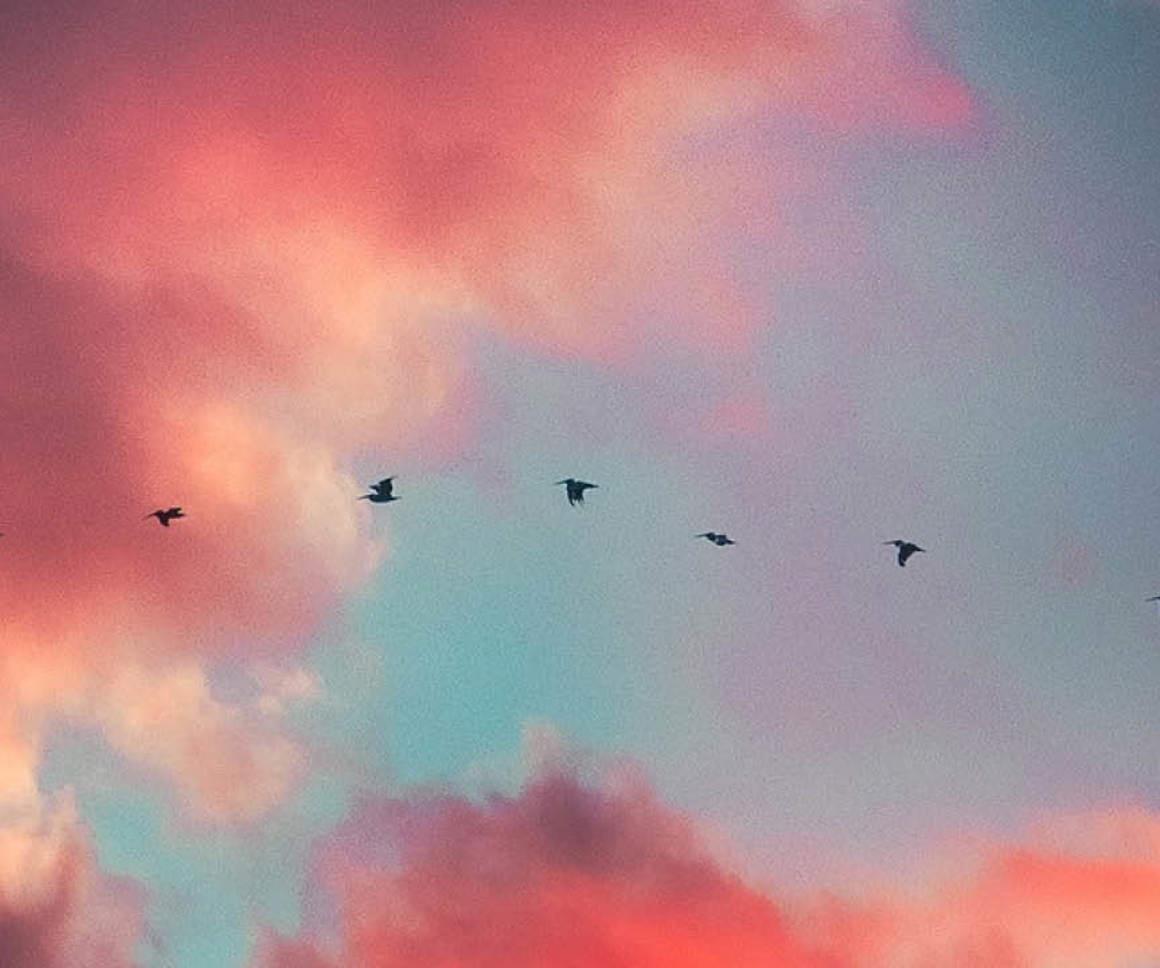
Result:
[
  {"x": 576, "y": 489},
  {"x": 720, "y": 540},
  {"x": 1154, "y": 598},
  {"x": 905, "y": 550},
  {"x": 165, "y": 516},
  {"x": 381, "y": 493}
]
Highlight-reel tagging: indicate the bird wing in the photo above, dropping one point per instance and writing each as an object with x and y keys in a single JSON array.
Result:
[{"x": 906, "y": 550}]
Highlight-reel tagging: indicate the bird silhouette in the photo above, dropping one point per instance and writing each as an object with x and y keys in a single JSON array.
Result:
[
  {"x": 165, "y": 516},
  {"x": 905, "y": 550},
  {"x": 1154, "y": 598},
  {"x": 576, "y": 489},
  {"x": 381, "y": 493},
  {"x": 720, "y": 540}
]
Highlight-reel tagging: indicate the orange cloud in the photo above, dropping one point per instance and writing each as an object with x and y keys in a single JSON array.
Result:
[{"x": 1090, "y": 897}]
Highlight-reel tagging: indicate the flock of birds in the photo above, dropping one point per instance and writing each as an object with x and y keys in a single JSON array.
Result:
[{"x": 383, "y": 492}]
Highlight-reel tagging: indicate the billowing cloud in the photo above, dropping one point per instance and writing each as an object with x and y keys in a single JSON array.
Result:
[
  {"x": 602, "y": 874},
  {"x": 247, "y": 243},
  {"x": 56, "y": 909},
  {"x": 229, "y": 762},
  {"x": 562, "y": 874}
]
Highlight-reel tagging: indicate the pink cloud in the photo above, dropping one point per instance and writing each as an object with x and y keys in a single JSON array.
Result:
[
  {"x": 56, "y": 909},
  {"x": 229, "y": 763},
  {"x": 244, "y": 242},
  {"x": 570, "y": 873},
  {"x": 562, "y": 874}
]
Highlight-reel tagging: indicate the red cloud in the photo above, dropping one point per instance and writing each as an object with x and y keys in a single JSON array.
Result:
[
  {"x": 515, "y": 159},
  {"x": 562, "y": 875},
  {"x": 567, "y": 874},
  {"x": 243, "y": 240}
]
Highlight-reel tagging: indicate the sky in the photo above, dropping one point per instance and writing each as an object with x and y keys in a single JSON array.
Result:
[{"x": 816, "y": 273}]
